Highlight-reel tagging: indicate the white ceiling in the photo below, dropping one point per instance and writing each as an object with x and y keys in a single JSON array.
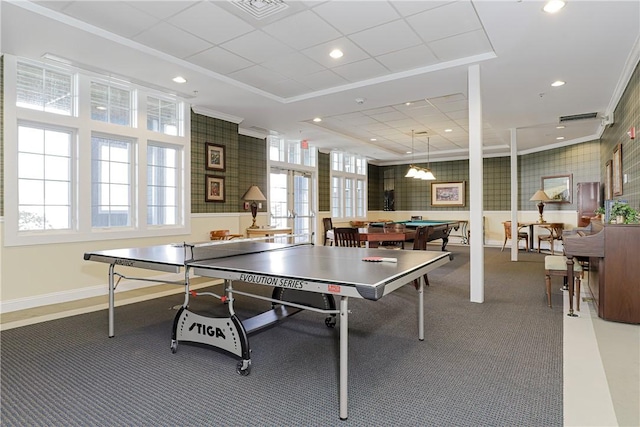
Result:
[{"x": 404, "y": 66}]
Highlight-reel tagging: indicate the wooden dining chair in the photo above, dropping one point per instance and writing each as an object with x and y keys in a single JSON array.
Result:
[
  {"x": 391, "y": 227},
  {"x": 327, "y": 224},
  {"x": 222, "y": 235},
  {"x": 346, "y": 237},
  {"x": 522, "y": 235},
  {"x": 554, "y": 233}
]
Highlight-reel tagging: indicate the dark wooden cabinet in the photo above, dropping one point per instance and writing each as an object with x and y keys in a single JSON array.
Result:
[{"x": 588, "y": 195}]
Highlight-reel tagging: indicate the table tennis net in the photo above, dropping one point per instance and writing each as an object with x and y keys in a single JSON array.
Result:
[{"x": 208, "y": 251}]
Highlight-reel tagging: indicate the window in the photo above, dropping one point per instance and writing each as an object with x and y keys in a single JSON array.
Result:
[
  {"x": 44, "y": 89},
  {"x": 293, "y": 152},
  {"x": 163, "y": 166},
  {"x": 164, "y": 116},
  {"x": 348, "y": 185},
  {"x": 44, "y": 178},
  {"x": 111, "y": 189},
  {"x": 111, "y": 104}
]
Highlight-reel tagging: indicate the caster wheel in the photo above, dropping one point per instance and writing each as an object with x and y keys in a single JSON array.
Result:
[
  {"x": 174, "y": 347},
  {"x": 330, "y": 322},
  {"x": 242, "y": 369}
]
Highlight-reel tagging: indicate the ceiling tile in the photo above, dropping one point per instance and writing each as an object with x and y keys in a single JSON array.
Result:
[
  {"x": 349, "y": 17},
  {"x": 257, "y": 76},
  {"x": 408, "y": 59},
  {"x": 174, "y": 41},
  {"x": 162, "y": 9},
  {"x": 219, "y": 60},
  {"x": 411, "y": 7},
  {"x": 446, "y": 21},
  {"x": 285, "y": 88},
  {"x": 321, "y": 80},
  {"x": 391, "y": 37},
  {"x": 293, "y": 65},
  {"x": 116, "y": 17},
  {"x": 210, "y": 23},
  {"x": 320, "y": 53},
  {"x": 460, "y": 46},
  {"x": 302, "y": 30},
  {"x": 257, "y": 46},
  {"x": 361, "y": 70}
]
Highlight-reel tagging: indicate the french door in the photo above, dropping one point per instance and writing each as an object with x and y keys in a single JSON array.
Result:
[{"x": 290, "y": 195}]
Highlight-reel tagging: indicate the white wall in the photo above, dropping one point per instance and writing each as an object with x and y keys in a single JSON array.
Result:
[{"x": 37, "y": 275}]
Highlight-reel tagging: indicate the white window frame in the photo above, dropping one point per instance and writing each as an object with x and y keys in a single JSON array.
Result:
[
  {"x": 83, "y": 127},
  {"x": 348, "y": 168}
]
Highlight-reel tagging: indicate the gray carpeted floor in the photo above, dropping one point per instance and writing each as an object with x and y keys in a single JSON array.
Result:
[{"x": 493, "y": 364}]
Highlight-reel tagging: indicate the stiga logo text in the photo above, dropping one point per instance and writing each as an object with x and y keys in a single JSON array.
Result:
[{"x": 207, "y": 330}]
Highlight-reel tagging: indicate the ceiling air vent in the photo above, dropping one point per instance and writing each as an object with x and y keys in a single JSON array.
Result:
[
  {"x": 260, "y": 9},
  {"x": 585, "y": 116}
]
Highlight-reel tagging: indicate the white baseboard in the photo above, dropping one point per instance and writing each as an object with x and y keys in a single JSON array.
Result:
[{"x": 83, "y": 293}]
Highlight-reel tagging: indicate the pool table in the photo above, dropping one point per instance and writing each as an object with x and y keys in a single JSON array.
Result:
[{"x": 435, "y": 229}]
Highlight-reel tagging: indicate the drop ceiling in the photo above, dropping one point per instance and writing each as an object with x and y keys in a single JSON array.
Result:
[{"x": 266, "y": 66}]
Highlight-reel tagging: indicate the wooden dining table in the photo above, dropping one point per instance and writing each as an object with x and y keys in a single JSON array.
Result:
[{"x": 373, "y": 236}]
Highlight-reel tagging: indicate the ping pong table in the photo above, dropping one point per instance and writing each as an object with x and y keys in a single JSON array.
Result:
[{"x": 303, "y": 277}]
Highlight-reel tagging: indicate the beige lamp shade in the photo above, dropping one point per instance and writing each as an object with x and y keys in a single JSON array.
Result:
[
  {"x": 540, "y": 196},
  {"x": 254, "y": 193}
]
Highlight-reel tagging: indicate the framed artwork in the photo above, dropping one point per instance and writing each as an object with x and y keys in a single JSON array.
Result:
[
  {"x": 215, "y": 157},
  {"x": 558, "y": 188},
  {"x": 447, "y": 193},
  {"x": 616, "y": 171},
  {"x": 214, "y": 189},
  {"x": 608, "y": 190}
]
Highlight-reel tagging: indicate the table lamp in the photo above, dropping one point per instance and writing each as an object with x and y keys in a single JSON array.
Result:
[
  {"x": 254, "y": 195},
  {"x": 540, "y": 197}
]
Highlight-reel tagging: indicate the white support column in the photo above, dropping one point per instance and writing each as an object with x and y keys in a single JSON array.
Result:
[
  {"x": 514, "y": 195},
  {"x": 476, "y": 222}
]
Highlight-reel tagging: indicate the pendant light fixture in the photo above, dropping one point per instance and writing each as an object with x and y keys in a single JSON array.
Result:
[
  {"x": 417, "y": 172},
  {"x": 413, "y": 171}
]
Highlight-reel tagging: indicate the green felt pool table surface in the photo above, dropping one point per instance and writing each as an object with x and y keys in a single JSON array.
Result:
[{"x": 416, "y": 223}]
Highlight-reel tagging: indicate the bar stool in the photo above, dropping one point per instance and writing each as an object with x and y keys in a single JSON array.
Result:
[{"x": 556, "y": 265}]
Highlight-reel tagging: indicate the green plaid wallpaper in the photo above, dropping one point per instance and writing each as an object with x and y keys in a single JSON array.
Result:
[
  {"x": 581, "y": 160},
  {"x": 245, "y": 163},
  {"x": 324, "y": 182},
  {"x": 626, "y": 115},
  {"x": 375, "y": 187},
  {"x": 252, "y": 164}
]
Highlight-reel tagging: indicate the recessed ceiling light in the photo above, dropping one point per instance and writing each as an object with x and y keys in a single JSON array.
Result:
[
  {"x": 407, "y": 103},
  {"x": 179, "y": 79},
  {"x": 553, "y": 6},
  {"x": 560, "y": 127},
  {"x": 408, "y": 152},
  {"x": 336, "y": 53},
  {"x": 557, "y": 83},
  {"x": 560, "y": 138},
  {"x": 373, "y": 139},
  {"x": 448, "y": 130},
  {"x": 317, "y": 119}
]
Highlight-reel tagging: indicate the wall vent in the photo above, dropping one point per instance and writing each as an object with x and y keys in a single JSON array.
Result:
[{"x": 585, "y": 116}]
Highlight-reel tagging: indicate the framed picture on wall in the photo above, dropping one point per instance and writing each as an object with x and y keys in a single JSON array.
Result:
[
  {"x": 558, "y": 188},
  {"x": 608, "y": 191},
  {"x": 214, "y": 189},
  {"x": 616, "y": 172},
  {"x": 215, "y": 157},
  {"x": 447, "y": 193}
]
